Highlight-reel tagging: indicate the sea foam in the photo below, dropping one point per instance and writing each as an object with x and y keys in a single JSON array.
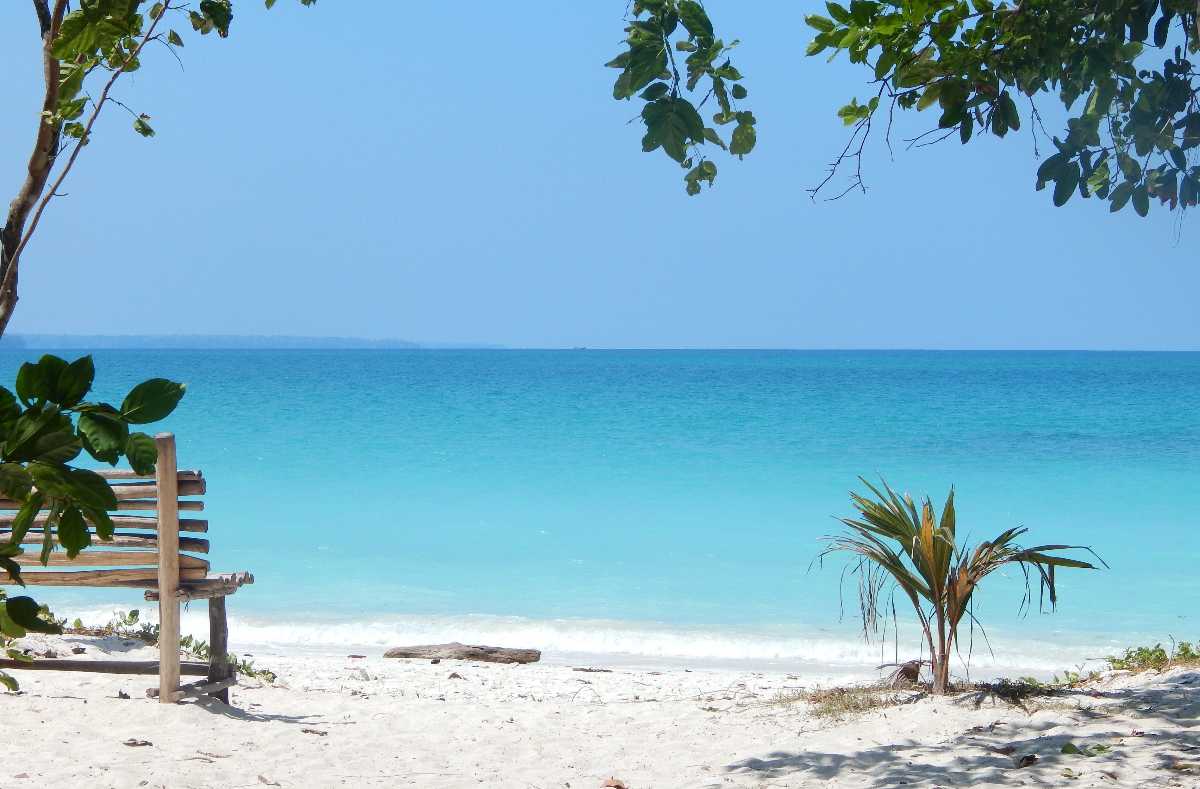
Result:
[{"x": 612, "y": 642}]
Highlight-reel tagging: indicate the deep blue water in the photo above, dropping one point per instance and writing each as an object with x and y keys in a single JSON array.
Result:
[{"x": 678, "y": 496}]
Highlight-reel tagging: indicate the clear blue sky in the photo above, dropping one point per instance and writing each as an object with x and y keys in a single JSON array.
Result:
[{"x": 459, "y": 172}]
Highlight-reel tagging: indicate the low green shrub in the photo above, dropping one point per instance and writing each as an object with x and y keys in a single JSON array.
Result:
[{"x": 1155, "y": 658}]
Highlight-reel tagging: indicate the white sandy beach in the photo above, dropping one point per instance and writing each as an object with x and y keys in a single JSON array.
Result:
[{"x": 378, "y": 722}]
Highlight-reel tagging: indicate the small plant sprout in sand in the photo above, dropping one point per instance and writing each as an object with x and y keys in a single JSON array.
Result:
[{"x": 892, "y": 541}]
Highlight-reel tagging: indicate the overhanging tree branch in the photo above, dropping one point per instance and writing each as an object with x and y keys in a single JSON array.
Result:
[{"x": 9, "y": 277}]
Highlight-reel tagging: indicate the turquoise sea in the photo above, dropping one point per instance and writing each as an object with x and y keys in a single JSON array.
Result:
[{"x": 651, "y": 506}]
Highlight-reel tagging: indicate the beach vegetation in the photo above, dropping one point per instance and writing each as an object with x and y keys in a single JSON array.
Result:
[
  {"x": 846, "y": 701},
  {"x": 1156, "y": 658},
  {"x": 896, "y": 547},
  {"x": 130, "y": 625}
]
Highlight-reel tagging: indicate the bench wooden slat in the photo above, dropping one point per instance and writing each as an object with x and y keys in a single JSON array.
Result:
[
  {"x": 221, "y": 585},
  {"x": 119, "y": 521},
  {"x": 127, "y": 474},
  {"x": 119, "y": 540},
  {"x": 190, "y": 668},
  {"x": 140, "y": 578},
  {"x": 149, "y": 505},
  {"x": 94, "y": 558},
  {"x": 138, "y": 490}
]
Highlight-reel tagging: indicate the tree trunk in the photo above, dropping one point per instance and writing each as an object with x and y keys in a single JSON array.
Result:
[
  {"x": 941, "y": 661},
  {"x": 41, "y": 162}
]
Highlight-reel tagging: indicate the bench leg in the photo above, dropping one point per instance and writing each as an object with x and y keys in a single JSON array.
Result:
[
  {"x": 168, "y": 650},
  {"x": 219, "y": 667}
]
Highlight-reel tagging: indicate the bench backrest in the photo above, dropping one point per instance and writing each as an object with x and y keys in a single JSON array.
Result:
[{"x": 146, "y": 529}]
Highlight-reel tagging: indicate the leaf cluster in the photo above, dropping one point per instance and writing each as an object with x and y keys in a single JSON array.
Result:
[
  {"x": 674, "y": 62},
  {"x": 108, "y": 37},
  {"x": 1132, "y": 123},
  {"x": 46, "y": 425}
]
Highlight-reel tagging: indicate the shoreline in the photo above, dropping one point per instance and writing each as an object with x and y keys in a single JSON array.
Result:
[{"x": 814, "y": 655}]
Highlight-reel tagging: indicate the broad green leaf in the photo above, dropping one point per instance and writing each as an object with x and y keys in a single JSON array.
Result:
[
  {"x": 672, "y": 123},
  {"x": 15, "y": 481},
  {"x": 104, "y": 436},
  {"x": 38, "y": 381},
  {"x": 1130, "y": 167},
  {"x": 219, "y": 13},
  {"x": 1141, "y": 200},
  {"x": 151, "y": 401},
  {"x": 10, "y": 628},
  {"x": 647, "y": 62},
  {"x": 817, "y": 22},
  {"x": 57, "y": 447},
  {"x": 1065, "y": 182},
  {"x": 25, "y": 517},
  {"x": 656, "y": 91},
  {"x": 24, "y": 611},
  {"x": 75, "y": 382},
  {"x": 743, "y": 140},
  {"x": 1120, "y": 196},
  {"x": 711, "y": 135},
  {"x": 89, "y": 489},
  {"x": 9, "y": 408},
  {"x": 73, "y": 534},
  {"x": 141, "y": 452},
  {"x": 101, "y": 520},
  {"x": 695, "y": 19}
]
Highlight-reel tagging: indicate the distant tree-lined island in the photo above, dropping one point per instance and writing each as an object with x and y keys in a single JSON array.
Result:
[{"x": 213, "y": 342}]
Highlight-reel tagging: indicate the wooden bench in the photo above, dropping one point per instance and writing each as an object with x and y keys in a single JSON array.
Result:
[{"x": 152, "y": 549}]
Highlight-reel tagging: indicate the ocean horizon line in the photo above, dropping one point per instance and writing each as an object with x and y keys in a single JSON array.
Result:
[{"x": 286, "y": 342}]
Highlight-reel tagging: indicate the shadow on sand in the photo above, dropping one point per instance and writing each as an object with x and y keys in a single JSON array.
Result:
[{"x": 1167, "y": 733}]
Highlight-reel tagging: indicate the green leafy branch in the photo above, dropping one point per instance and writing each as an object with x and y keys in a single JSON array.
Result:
[
  {"x": 1131, "y": 127},
  {"x": 658, "y": 34},
  {"x": 85, "y": 53}
]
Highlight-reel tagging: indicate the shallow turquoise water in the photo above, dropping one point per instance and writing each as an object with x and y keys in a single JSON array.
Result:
[{"x": 668, "y": 502}]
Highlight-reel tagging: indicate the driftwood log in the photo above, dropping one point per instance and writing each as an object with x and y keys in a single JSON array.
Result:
[{"x": 457, "y": 651}]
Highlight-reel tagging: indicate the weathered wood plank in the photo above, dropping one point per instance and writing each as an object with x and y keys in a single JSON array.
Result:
[
  {"x": 206, "y": 588},
  {"x": 189, "y": 668},
  {"x": 124, "y": 474},
  {"x": 138, "y": 578},
  {"x": 169, "y": 572},
  {"x": 187, "y": 487},
  {"x": 149, "y": 505},
  {"x": 220, "y": 671},
  {"x": 119, "y": 540},
  {"x": 94, "y": 558},
  {"x": 125, "y": 522}
]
